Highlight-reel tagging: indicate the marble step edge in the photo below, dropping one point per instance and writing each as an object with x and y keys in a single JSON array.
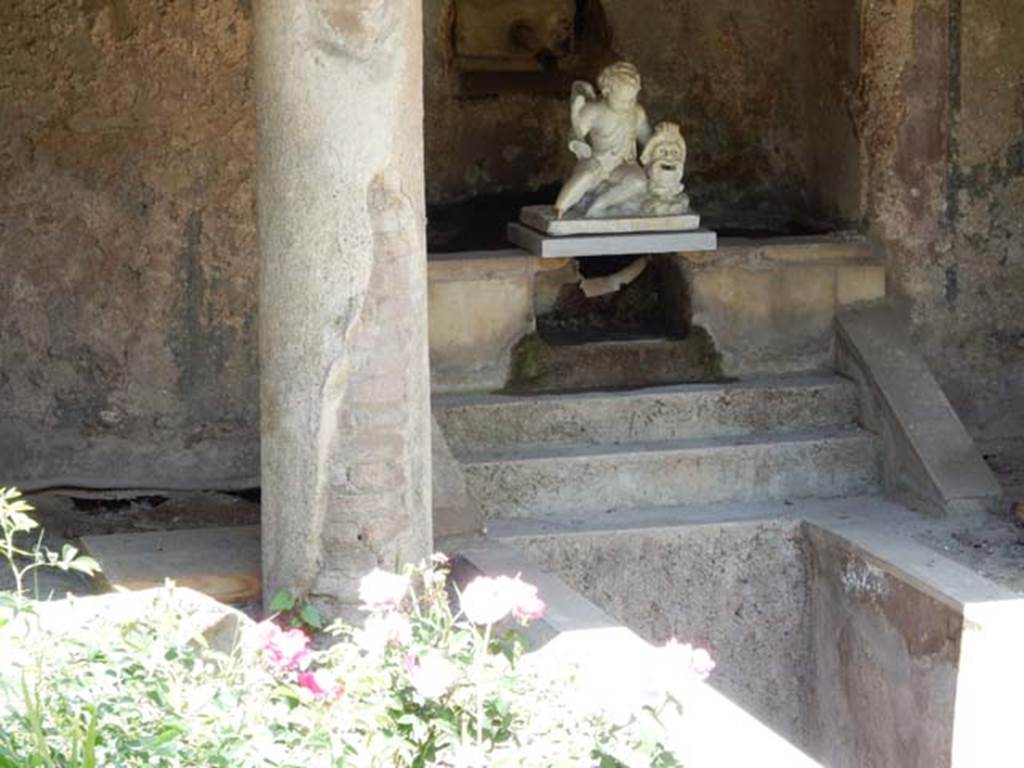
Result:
[
  {"x": 795, "y": 382},
  {"x": 717, "y": 444},
  {"x": 474, "y": 423},
  {"x": 626, "y": 520}
]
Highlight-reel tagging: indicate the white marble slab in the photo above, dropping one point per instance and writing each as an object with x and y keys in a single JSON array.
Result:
[
  {"x": 543, "y": 219},
  {"x": 561, "y": 247}
]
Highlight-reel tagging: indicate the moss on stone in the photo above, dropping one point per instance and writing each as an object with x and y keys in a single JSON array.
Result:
[
  {"x": 528, "y": 361},
  {"x": 540, "y": 366}
]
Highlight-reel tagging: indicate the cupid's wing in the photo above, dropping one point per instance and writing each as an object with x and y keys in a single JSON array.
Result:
[{"x": 584, "y": 89}]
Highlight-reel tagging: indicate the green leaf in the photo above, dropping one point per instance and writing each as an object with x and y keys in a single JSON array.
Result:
[
  {"x": 89, "y": 757},
  {"x": 21, "y": 522},
  {"x": 160, "y": 741},
  {"x": 311, "y": 616},
  {"x": 283, "y": 601}
]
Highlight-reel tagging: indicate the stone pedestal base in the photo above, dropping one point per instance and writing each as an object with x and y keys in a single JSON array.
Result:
[
  {"x": 543, "y": 219},
  {"x": 561, "y": 247}
]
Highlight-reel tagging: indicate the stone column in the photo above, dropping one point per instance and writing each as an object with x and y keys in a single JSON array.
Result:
[{"x": 345, "y": 432}]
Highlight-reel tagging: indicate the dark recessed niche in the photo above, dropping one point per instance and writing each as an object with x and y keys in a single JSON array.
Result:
[
  {"x": 479, "y": 223},
  {"x": 532, "y": 46},
  {"x": 512, "y": 35},
  {"x": 637, "y": 311}
]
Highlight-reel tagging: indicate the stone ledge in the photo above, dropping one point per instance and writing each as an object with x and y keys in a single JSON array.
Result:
[
  {"x": 830, "y": 249},
  {"x": 502, "y": 254},
  {"x": 765, "y": 253}
]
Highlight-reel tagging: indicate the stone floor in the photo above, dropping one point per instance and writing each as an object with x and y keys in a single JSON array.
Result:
[
  {"x": 67, "y": 516},
  {"x": 993, "y": 546}
]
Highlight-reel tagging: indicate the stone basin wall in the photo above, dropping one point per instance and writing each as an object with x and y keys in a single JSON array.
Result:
[{"x": 832, "y": 649}]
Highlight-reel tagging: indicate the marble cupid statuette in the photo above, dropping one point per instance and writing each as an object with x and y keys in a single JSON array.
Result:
[
  {"x": 628, "y": 177},
  {"x": 605, "y": 134}
]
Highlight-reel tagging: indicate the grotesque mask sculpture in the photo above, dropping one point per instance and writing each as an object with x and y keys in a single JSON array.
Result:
[{"x": 664, "y": 160}]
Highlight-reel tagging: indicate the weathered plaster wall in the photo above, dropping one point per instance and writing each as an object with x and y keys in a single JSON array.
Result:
[
  {"x": 981, "y": 331},
  {"x": 758, "y": 87},
  {"x": 940, "y": 109},
  {"x": 885, "y": 661},
  {"x": 127, "y": 243}
]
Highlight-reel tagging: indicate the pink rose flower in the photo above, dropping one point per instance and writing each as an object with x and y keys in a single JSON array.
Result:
[
  {"x": 288, "y": 649},
  {"x": 701, "y": 663},
  {"x": 432, "y": 675},
  {"x": 382, "y": 590},
  {"x": 382, "y": 630},
  {"x": 262, "y": 635},
  {"x": 526, "y": 605},
  {"x": 683, "y": 656},
  {"x": 486, "y": 600},
  {"x": 322, "y": 684}
]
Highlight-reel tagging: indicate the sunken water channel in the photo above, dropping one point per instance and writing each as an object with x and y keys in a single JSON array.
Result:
[{"x": 821, "y": 641}]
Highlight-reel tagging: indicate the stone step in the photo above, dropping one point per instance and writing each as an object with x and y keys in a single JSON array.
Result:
[
  {"x": 846, "y": 510},
  {"x": 538, "y": 365},
  {"x": 474, "y": 423},
  {"x": 593, "y": 480}
]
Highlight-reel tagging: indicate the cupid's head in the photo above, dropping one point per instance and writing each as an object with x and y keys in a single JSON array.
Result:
[{"x": 620, "y": 84}]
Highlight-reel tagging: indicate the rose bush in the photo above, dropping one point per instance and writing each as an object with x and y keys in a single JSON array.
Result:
[{"x": 430, "y": 679}]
